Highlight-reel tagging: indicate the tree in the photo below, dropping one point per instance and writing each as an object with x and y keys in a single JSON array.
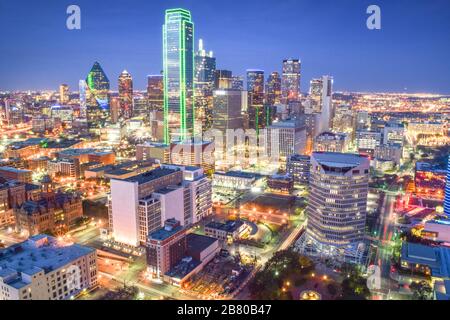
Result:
[
  {"x": 421, "y": 290},
  {"x": 284, "y": 266}
]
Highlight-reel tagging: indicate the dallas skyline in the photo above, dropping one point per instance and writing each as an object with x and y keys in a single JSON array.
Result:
[{"x": 408, "y": 54}]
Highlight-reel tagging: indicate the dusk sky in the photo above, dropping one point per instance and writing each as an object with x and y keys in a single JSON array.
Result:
[{"x": 410, "y": 52}]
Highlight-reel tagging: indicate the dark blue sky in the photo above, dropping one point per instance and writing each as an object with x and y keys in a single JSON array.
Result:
[{"x": 412, "y": 50}]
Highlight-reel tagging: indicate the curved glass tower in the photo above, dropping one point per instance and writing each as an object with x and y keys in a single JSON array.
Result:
[{"x": 178, "y": 61}]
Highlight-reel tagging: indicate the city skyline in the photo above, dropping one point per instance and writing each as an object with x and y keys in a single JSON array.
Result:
[{"x": 342, "y": 47}]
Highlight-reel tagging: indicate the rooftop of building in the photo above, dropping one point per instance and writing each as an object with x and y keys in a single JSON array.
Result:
[
  {"x": 299, "y": 157},
  {"x": 237, "y": 174},
  {"x": 273, "y": 201},
  {"x": 151, "y": 175},
  {"x": 50, "y": 201},
  {"x": 280, "y": 177},
  {"x": 437, "y": 258},
  {"x": 26, "y": 143},
  {"x": 61, "y": 144},
  {"x": 77, "y": 152},
  {"x": 4, "y": 183},
  {"x": 227, "y": 226},
  {"x": 342, "y": 160},
  {"x": 183, "y": 268},
  {"x": 429, "y": 167},
  {"x": 12, "y": 169},
  {"x": 40, "y": 252},
  {"x": 198, "y": 242},
  {"x": 331, "y": 136},
  {"x": 170, "y": 228}
]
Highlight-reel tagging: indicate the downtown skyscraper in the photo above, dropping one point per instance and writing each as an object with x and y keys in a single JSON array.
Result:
[
  {"x": 205, "y": 68},
  {"x": 98, "y": 109},
  {"x": 126, "y": 94},
  {"x": 178, "y": 63},
  {"x": 337, "y": 205},
  {"x": 155, "y": 92},
  {"x": 255, "y": 89},
  {"x": 290, "y": 81},
  {"x": 98, "y": 85},
  {"x": 273, "y": 88}
]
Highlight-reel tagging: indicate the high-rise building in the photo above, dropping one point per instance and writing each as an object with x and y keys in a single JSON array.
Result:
[
  {"x": 133, "y": 212},
  {"x": 98, "y": 85},
  {"x": 274, "y": 89},
  {"x": 138, "y": 205},
  {"x": 331, "y": 142},
  {"x": 256, "y": 109},
  {"x": 227, "y": 108},
  {"x": 63, "y": 93},
  {"x": 126, "y": 94},
  {"x": 115, "y": 110},
  {"x": 320, "y": 97},
  {"x": 205, "y": 68},
  {"x": 447, "y": 192},
  {"x": 98, "y": 92},
  {"x": 155, "y": 92},
  {"x": 290, "y": 83},
  {"x": 338, "y": 202},
  {"x": 237, "y": 83},
  {"x": 83, "y": 102},
  {"x": 178, "y": 58},
  {"x": 285, "y": 138},
  {"x": 367, "y": 141},
  {"x": 7, "y": 111},
  {"x": 223, "y": 79},
  {"x": 227, "y": 117}
]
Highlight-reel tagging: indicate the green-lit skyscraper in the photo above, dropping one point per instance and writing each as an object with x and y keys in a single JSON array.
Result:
[{"x": 178, "y": 58}]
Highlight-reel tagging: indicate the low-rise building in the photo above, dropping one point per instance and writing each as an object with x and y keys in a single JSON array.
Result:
[
  {"x": 280, "y": 184},
  {"x": 430, "y": 261},
  {"x": 43, "y": 268},
  {"x": 22, "y": 175},
  {"x": 298, "y": 167},
  {"x": 234, "y": 179},
  {"x": 52, "y": 213},
  {"x": 226, "y": 231}
]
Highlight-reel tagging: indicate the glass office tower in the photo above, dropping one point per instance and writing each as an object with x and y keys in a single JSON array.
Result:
[
  {"x": 178, "y": 60},
  {"x": 290, "y": 83},
  {"x": 126, "y": 94}
]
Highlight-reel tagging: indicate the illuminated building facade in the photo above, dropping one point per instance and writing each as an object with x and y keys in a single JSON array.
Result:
[
  {"x": 223, "y": 79},
  {"x": 98, "y": 91},
  {"x": 320, "y": 97},
  {"x": 63, "y": 93},
  {"x": 430, "y": 181},
  {"x": 82, "y": 86},
  {"x": 155, "y": 92},
  {"x": 338, "y": 200},
  {"x": 290, "y": 83},
  {"x": 330, "y": 142},
  {"x": 126, "y": 94},
  {"x": 205, "y": 68},
  {"x": 298, "y": 167},
  {"x": 255, "y": 89},
  {"x": 274, "y": 89},
  {"x": 178, "y": 58}
]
